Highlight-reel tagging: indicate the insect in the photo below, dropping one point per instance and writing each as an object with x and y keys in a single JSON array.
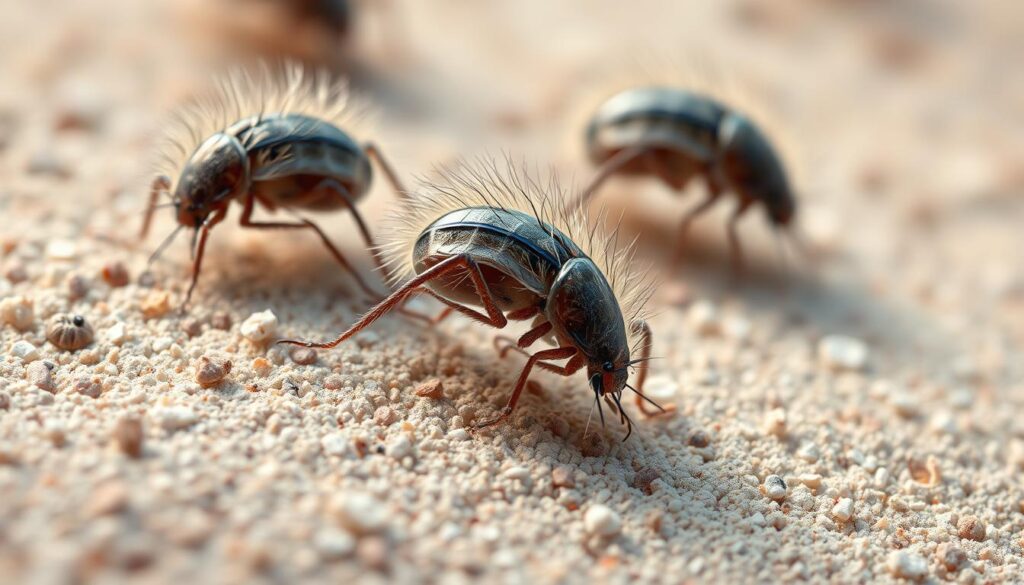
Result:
[
  {"x": 271, "y": 141},
  {"x": 312, "y": 31},
  {"x": 488, "y": 238},
  {"x": 676, "y": 135}
]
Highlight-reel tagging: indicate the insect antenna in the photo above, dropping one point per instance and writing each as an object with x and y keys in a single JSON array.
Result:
[
  {"x": 617, "y": 397},
  {"x": 163, "y": 245},
  {"x": 195, "y": 242},
  {"x": 641, "y": 395},
  {"x": 159, "y": 206}
]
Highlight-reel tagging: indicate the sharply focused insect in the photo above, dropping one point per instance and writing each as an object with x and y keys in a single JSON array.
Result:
[
  {"x": 676, "y": 135},
  {"x": 271, "y": 140},
  {"x": 492, "y": 238}
]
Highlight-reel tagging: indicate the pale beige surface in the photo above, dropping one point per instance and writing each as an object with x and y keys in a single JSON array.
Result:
[{"x": 911, "y": 134}]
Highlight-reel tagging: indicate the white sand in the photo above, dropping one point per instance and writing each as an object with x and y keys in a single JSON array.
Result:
[{"x": 338, "y": 470}]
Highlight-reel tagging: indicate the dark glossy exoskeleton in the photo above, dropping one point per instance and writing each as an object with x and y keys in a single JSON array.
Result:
[
  {"x": 677, "y": 135},
  {"x": 516, "y": 266},
  {"x": 279, "y": 160}
]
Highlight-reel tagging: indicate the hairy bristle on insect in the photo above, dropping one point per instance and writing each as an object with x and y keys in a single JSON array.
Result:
[
  {"x": 288, "y": 88},
  {"x": 505, "y": 184},
  {"x": 726, "y": 82}
]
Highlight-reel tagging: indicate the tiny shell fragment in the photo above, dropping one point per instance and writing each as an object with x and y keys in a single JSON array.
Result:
[{"x": 69, "y": 332}]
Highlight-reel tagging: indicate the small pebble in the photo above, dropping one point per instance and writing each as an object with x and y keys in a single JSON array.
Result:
[
  {"x": 951, "y": 556},
  {"x": 384, "y": 416},
  {"x": 737, "y": 328},
  {"x": 699, "y": 439},
  {"x": 809, "y": 453},
  {"x": 117, "y": 333},
  {"x": 303, "y": 356},
  {"x": 971, "y": 528},
  {"x": 109, "y": 498},
  {"x": 905, "y": 404},
  {"x": 16, "y": 274},
  {"x": 703, "y": 317},
  {"x": 24, "y": 351},
  {"x": 210, "y": 373},
  {"x": 601, "y": 520},
  {"x": 843, "y": 510},
  {"x": 262, "y": 366},
  {"x": 115, "y": 274},
  {"x": 78, "y": 286},
  {"x": 775, "y": 487},
  {"x": 175, "y": 418},
  {"x": 334, "y": 444},
  {"x": 432, "y": 388},
  {"x": 562, "y": 476},
  {"x": 333, "y": 544},
  {"x": 908, "y": 565},
  {"x": 61, "y": 250},
  {"x": 811, "y": 480},
  {"x": 5, "y": 401},
  {"x": 220, "y": 321},
  {"x": 41, "y": 375},
  {"x": 399, "y": 447},
  {"x": 146, "y": 279},
  {"x": 260, "y": 327},
  {"x": 360, "y": 513},
  {"x": 191, "y": 326},
  {"x": 661, "y": 388},
  {"x": 840, "y": 352},
  {"x": 128, "y": 436},
  {"x": 644, "y": 478},
  {"x": 69, "y": 332},
  {"x": 17, "y": 312},
  {"x": 156, "y": 304},
  {"x": 775, "y": 422},
  {"x": 88, "y": 387},
  {"x": 44, "y": 162}
]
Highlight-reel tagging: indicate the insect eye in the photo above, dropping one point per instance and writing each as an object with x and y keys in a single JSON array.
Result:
[{"x": 608, "y": 366}]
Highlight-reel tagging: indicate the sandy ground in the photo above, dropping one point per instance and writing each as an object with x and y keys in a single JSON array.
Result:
[{"x": 899, "y": 444}]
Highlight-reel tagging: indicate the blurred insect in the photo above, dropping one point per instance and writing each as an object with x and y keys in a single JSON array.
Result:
[
  {"x": 270, "y": 140},
  {"x": 312, "y": 31},
  {"x": 677, "y": 135},
  {"x": 490, "y": 238}
]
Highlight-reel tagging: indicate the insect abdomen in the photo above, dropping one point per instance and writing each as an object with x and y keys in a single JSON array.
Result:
[
  {"x": 292, "y": 153},
  {"x": 668, "y": 118},
  {"x": 523, "y": 255}
]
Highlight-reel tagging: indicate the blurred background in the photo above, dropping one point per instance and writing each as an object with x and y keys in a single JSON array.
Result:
[{"x": 902, "y": 120}]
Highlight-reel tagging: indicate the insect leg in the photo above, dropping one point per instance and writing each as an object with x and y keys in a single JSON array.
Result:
[
  {"x": 608, "y": 168},
  {"x": 689, "y": 216},
  {"x": 160, "y": 186},
  {"x": 570, "y": 367},
  {"x": 644, "y": 331},
  {"x": 503, "y": 343},
  {"x": 425, "y": 318},
  {"x": 415, "y": 285},
  {"x": 373, "y": 151},
  {"x": 200, "y": 249},
  {"x": 346, "y": 196},
  {"x": 547, "y": 354},
  {"x": 246, "y": 221},
  {"x": 735, "y": 249}
]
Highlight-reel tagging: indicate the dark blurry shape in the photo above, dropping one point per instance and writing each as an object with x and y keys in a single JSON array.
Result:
[
  {"x": 316, "y": 32},
  {"x": 677, "y": 135},
  {"x": 495, "y": 238},
  {"x": 269, "y": 139}
]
